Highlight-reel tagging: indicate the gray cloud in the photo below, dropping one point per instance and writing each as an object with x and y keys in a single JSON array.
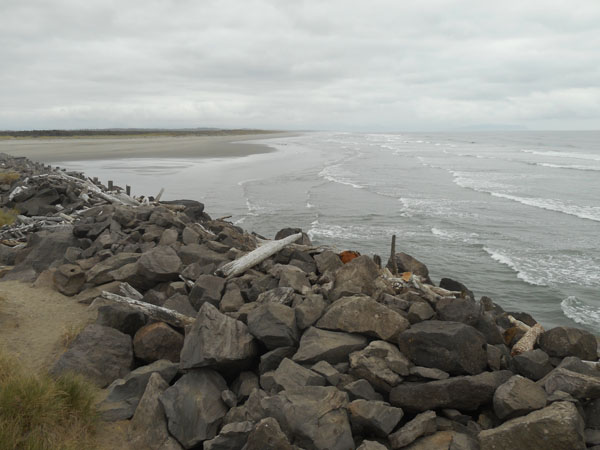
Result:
[{"x": 378, "y": 65}]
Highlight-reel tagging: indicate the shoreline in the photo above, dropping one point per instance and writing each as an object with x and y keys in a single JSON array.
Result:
[{"x": 52, "y": 150}]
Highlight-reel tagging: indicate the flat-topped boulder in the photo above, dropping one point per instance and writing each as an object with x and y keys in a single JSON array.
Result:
[
  {"x": 324, "y": 345},
  {"x": 356, "y": 277},
  {"x": 566, "y": 341}
]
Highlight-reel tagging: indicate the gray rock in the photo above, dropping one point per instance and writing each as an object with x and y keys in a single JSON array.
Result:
[
  {"x": 592, "y": 437},
  {"x": 148, "y": 428},
  {"x": 556, "y": 427},
  {"x": 428, "y": 373},
  {"x": 360, "y": 314},
  {"x": 453, "y": 285},
  {"x": 282, "y": 295},
  {"x": 121, "y": 317},
  {"x": 362, "y": 389},
  {"x": 123, "y": 395},
  {"x": 315, "y": 416},
  {"x": 534, "y": 364},
  {"x": 202, "y": 255},
  {"x": 494, "y": 357},
  {"x": 159, "y": 264},
  {"x": 274, "y": 325},
  {"x": 381, "y": 364},
  {"x": 232, "y": 436},
  {"x": 487, "y": 326},
  {"x": 270, "y": 361},
  {"x": 293, "y": 277},
  {"x": 100, "y": 353},
  {"x": 592, "y": 414},
  {"x": 189, "y": 236},
  {"x": 453, "y": 347},
  {"x": 326, "y": 370},
  {"x": 229, "y": 398},
  {"x": 218, "y": 341},
  {"x": 193, "y": 406},
  {"x": 309, "y": 310},
  {"x": 464, "y": 310},
  {"x": 168, "y": 237},
  {"x": 232, "y": 299},
  {"x": 373, "y": 417},
  {"x": 463, "y": 392},
  {"x": 69, "y": 279},
  {"x": 181, "y": 304},
  {"x": 517, "y": 397},
  {"x": 371, "y": 445},
  {"x": 328, "y": 261},
  {"x": 394, "y": 302},
  {"x": 267, "y": 435},
  {"x": 244, "y": 384},
  {"x": 157, "y": 341},
  {"x": 252, "y": 410},
  {"x": 422, "y": 425},
  {"x": 445, "y": 440},
  {"x": 207, "y": 288},
  {"x": 565, "y": 341},
  {"x": 574, "y": 364},
  {"x": 356, "y": 277},
  {"x": 331, "y": 346},
  {"x": 100, "y": 273},
  {"x": 420, "y": 311},
  {"x": 576, "y": 384},
  {"x": 290, "y": 375},
  {"x": 407, "y": 263}
]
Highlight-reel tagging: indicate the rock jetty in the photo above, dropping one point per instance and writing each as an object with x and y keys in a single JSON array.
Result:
[{"x": 302, "y": 349}]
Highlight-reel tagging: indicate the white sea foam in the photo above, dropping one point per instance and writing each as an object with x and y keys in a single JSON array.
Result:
[
  {"x": 580, "y": 311},
  {"x": 571, "y": 155},
  {"x": 335, "y": 174},
  {"x": 569, "y": 166},
  {"x": 469, "y": 238},
  {"x": 583, "y": 212}
]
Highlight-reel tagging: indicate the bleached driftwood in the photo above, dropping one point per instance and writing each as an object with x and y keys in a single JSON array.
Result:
[
  {"x": 189, "y": 283},
  {"x": 527, "y": 342},
  {"x": 155, "y": 312},
  {"x": 255, "y": 257},
  {"x": 119, "y": 198},
  {"x": 157, "y": 198},
  {"x": 518, "y": 324},
  {"x": 129, "y": 291}
]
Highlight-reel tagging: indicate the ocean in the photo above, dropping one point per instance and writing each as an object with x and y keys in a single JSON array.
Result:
[{"x": 514, "y": 216}]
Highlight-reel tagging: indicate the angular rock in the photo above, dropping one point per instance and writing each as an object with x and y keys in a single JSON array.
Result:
[
  {"x": 157, "y": 341},
  {"x": 315, "y": 416},
  {"x": 267, "y": 435},
  {"x": 207, "y": 288},
  {"x": 99, "y": 274},
  {"x": 565, "y": 341},
  {"x": 429, "y": 373},
  {"x": 123, "y": 395},
  {"x": 168, "y": 237},
  {"x": 193, "y": 406},
  {"x": 534, "y": 364},
  {"x": 232, "y": 299},
  {"x": 181, "y": 304},
  {"x": 328, "y": 261},
  {"x": 282, "y": 295},
  {"x": 218, "y": 341},
  {"x": 592, "y": 414},
  {"x": 69, "y": 279},
  {"x": 464, "y": 310},
  {"x": 407, "y": 263},
  {"x": 326, "y": 370},
  {"x": 202, "y": 255},
  {"x": 556, "y": 427},
  {"x": 463, "y": 392},
  {"x": 274, "y": 325},
  {"x": 453, "y": 285},
  {"x": 271, "y": 360},
  {"x": 356, "y": 277},
  {"x": 285, "y": 232},
  {"x": 100, "y": 353},
  {"x": 420, "y": 311},
  {"x": 121, "y": 317},
  {"x": 576, "y": 384},
  {"x": 359, "y": 314},
  {"x": 293, "y": 277},
  {"x": 486, "y": 325},
  {"x": 309, "y": 310},
  {"x": 371, "y": 445},
  {"x": 244, "y": 384},
  {"x": 362, "y": 389},
  {"x": 232, "y": 436},
  {"x": 290, "y": 375},
  {"x": 445, "y": 440},
  {"x": 517, "y": 397},
  {"x": 148, "y": 428},
  {"x": 331, "y": 346},
  {"x": 422, "y": 425},
  {"x": 453, "y": 347},
  {"x": 189, "y": 236},
  {"x": 159, "y": 264},
  {"x": 381, "y": 364},
  {"x": 373, "y": 417}
]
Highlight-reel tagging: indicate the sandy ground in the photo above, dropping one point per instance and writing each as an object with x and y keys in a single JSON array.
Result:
[
  {"x": 52, "y": 150},
  {"x": 34, "y": 323}
]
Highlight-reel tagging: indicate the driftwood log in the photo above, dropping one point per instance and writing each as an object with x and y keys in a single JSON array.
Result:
[
  {"x": 527, "y": 342},
  {"x": 255, "y": 257}
]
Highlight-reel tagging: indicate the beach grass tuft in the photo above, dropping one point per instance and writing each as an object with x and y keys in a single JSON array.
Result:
[{"x": 8, "y": 216}]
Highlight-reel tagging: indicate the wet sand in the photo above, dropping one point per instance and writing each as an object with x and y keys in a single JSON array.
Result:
[{"x": 51, "y": 150}]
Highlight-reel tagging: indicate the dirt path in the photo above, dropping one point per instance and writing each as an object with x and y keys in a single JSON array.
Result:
[{"x": 34, "y": 323}]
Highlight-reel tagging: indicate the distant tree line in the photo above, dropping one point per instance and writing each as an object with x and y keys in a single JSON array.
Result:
[{"x": 129, "y": 132}]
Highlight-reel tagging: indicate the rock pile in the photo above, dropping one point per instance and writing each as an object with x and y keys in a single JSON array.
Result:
[{"x": 301, "y": 351}]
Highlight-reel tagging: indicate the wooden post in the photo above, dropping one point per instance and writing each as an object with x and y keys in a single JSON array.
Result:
[
  {"x": 393, "y": 256},
  {"x": 110, "y": 185},
  {"x": 128, "y": 189}
]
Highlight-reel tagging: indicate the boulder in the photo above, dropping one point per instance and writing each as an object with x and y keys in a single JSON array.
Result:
[
  {"x": 330, "y": 373},
  {"x": 148, "y": 428},
  {"x": 270, "y": 361},
  {"x": 100, "y": 273},
  {"x": 100, "y": 353},
  {"x": 207, "y": 288},
  {"x": 232, "y": 299},
  {"x": 565, "y": 341},
  {"x": 428, "y": 373},
  {"x": 371, "y": 445},
  {"x": 293, "y": 277},
  {"x": 285, "y": 232},
  {"x": 121, "y": 317},
  {"x": 309, "y": 310},
  {"x": 244, "y": 384},
  {"x": 534, "y": 364},
  {"x": 232, "y": 436},
  {"x": 420, "y": 311},
  {"x": 267, "y": 435},
  {"x": 556, "y": 427},
  {"x": 592, "y": 414},
  {"x": 181, "y": 304},
  {"x": 422, "y": 425},
  {"x": 282, "y": 295},
  {"x": 463, "y": 392},
  {"x": 290, "y": 375},
  {"x": 69, "y": 279},
  {"x": 123, "y": 395},
  {"x": 315, "y": 416},
  {"x": 487, "y": 326},
  {"x": 159, "y": 264},
  {"x": 168, "y": 237},
  {"x": 465, "y": 310},
  {"x": 381, "y": 364},
  {"x": 157, "y": 341},
  {"x": 201, "y": 255},
  {"x": 87, "y": 296},
  {"x": 453, "y": 347},
  {"x": 331, "y": 346},
  {"x": 189, "y": 236},
  {"x": 360, "y": 314},
  {"x": 362, "y": 389},
  {"x": 578, "y": 385},
  {"x": 445, "y": 440},
  {"x": 356, "y": 277},
  {"x": 453, "y": 285},
  {"x": 193, "y": 406},
  {"x": 274, "y": 325},
  {"x": 216, "y": 340},
  {"x": 328, "y": 261},
  {"x": 517, "y": 397},
  {"x": 373, "y": 417},
  {"x": 407, "y": 263}
]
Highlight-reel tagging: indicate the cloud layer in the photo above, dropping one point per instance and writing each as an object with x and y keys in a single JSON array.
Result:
[{"x": 378, "y": 65}]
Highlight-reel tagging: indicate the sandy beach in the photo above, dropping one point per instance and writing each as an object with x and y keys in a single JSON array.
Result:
[{"x": 51, "y": 150}]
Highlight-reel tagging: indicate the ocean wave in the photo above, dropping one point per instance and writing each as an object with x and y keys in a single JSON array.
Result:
[
  {"x": 355, "y": 232},
  {"x": 580, "y": 311},
  {"x": 469, "y": 238},
  {"x": 517, "y": 267},
  {"x": 437, "y": 207},
  {"x": 571, "y": 155},
  {"x": 583, "y": 212},
  {"x": 334, "y": 174},
  {"x": 570, "y": 166}
]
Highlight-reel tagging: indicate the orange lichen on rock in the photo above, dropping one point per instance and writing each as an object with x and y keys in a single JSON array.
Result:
[{"x": 348, "y": 255}]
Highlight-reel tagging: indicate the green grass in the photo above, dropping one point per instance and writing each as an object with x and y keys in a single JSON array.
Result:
[
  {"x": 9, "y": 177},
  {"x": 39, "y": 412},
  {"x": 8, "y": 216}
]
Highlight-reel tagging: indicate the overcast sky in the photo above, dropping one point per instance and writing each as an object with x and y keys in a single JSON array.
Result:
[{"x": 378, "y": 65}]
